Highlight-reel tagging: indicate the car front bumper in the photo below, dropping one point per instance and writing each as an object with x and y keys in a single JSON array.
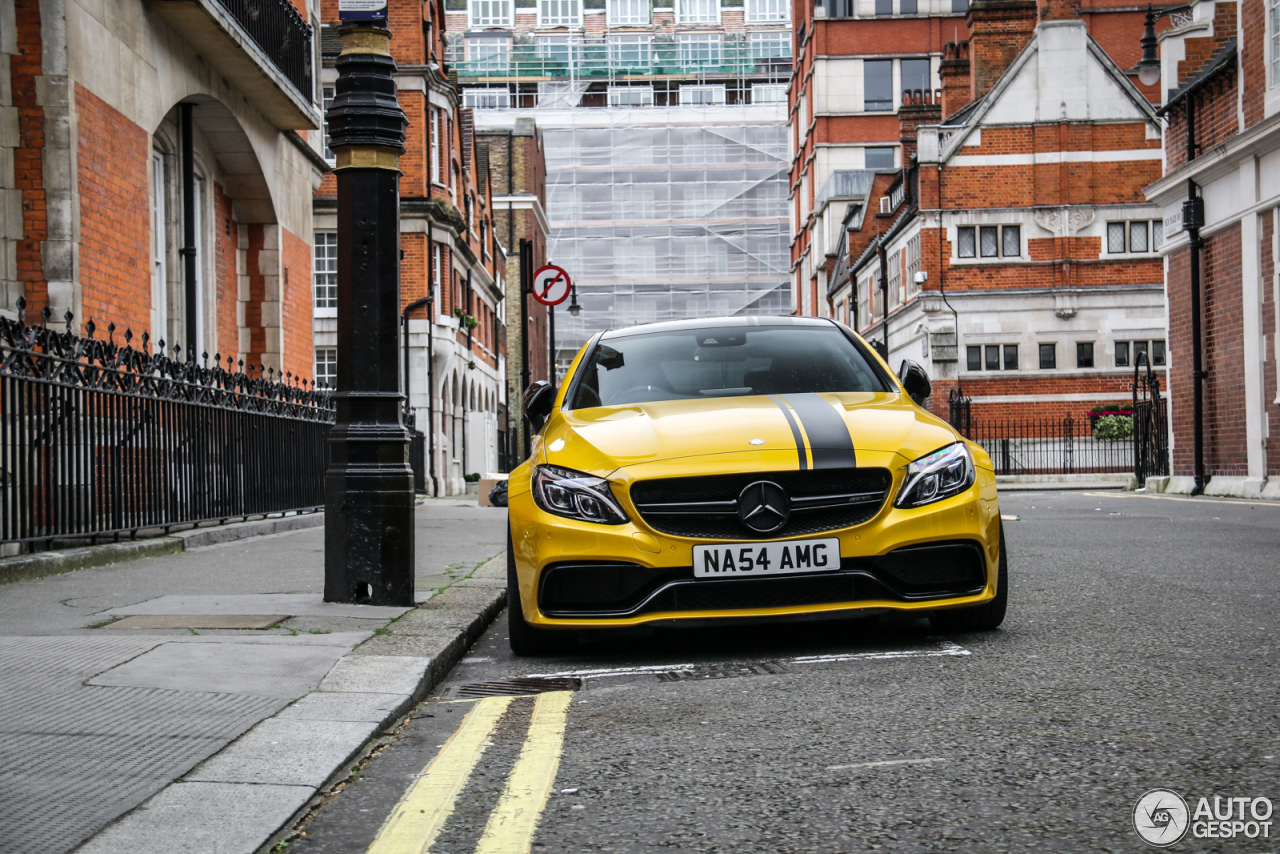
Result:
[{"x": 582, "y": 575}]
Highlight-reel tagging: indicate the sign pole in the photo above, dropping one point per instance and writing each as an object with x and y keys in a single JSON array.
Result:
[{"x": 369, "y": 530}]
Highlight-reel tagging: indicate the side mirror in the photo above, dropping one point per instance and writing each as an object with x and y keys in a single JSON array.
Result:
[
  {"x": 537, "y": 401},
  {"x": 915, "y": 381}
]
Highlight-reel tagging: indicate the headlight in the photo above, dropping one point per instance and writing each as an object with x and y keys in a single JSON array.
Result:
[
  {"x": 936, "y": 476},
  {"x": 575, "y": 495}
]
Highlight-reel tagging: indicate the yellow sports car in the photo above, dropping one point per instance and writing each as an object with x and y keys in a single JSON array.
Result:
[{"x": 745, "y": 468}]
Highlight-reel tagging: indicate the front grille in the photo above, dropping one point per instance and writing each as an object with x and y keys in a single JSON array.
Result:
[
  {"x": 782, "y": 592},
  {"x": 836, "y": 498}
]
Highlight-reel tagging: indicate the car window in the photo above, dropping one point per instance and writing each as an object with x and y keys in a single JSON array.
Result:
[{"x": 722, "y": 362}]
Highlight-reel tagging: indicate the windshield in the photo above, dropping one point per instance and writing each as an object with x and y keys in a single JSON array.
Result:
[{"x": 723, "y": 362}]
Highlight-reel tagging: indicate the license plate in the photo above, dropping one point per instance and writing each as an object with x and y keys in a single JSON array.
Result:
[{"x": 736, "y": 560}]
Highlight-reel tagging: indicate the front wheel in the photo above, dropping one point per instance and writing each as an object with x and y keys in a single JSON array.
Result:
[
  {"x": 979, "y": 618},
  {"x": 524, "y": 638}
]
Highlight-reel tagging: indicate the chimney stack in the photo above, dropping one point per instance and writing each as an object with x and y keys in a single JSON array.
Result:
[
  {"x": 919, "y": 107},
  {"x": 954, "y": 71},
  {"x": 1060, "y": 10},
  {"x": 998, "y": 31}
]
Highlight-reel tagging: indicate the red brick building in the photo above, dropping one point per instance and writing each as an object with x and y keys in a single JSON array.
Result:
[
  {"x": 451, "y": 253},
  {"x": 1018, "y": 256},
  {"x": 135, "y": 138},
  {"x": 1221, "y": 66}
]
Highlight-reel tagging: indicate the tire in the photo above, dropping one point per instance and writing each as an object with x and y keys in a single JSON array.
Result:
[
  {"x": 524, "y": 638},
  {"x": 979, "y": 618}
]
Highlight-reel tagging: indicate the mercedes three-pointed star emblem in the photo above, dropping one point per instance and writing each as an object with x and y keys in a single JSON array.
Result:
[{"x": 764, "y": 507}]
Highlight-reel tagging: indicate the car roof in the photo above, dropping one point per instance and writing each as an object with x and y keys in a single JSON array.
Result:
[{"x": 715, "y": 323}]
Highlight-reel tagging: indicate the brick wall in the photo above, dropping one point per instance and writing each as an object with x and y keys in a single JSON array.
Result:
[
  {"x": 253, "y": 238},
  {"x": 115, "y": 217},
  {"x": 24, "y": 68},
  {"x": 1267, "y": 270},
  {"x": 1000, "y": 30},
  {"x": 1224, "y": 401},
  {"x": 1253, "y": 59},
  {"x": 226, "y": 259},
  {"x": 296, "y": 301}
]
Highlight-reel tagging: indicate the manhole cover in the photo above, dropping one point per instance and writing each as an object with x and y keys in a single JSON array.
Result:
[
  {"x": 723, "y": 671},
  {"x": 513, "y": 687}
]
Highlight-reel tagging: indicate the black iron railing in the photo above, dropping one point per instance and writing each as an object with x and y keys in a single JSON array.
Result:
[
  {"x": 282, "y": 34},
  {"x": 101, "y": 438},
  {"x": 1051, "y": 446}
]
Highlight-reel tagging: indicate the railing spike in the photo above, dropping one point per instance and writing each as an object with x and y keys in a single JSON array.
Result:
[
  {"x": 90, "y": 327},
  {"x": 68, "y": 317},
  {"x": 111, "y": 333},
  {"x": 45, "y": 314},
  {"x": 128, "y": 337}
]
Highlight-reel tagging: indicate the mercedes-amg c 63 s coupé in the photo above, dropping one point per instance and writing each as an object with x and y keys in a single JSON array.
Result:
[{"x": 737, "y": 469}]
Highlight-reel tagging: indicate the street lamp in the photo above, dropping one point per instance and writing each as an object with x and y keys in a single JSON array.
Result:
[
  {"x": 574, "y": 308},
  {"x": 1149, "y": 66}
]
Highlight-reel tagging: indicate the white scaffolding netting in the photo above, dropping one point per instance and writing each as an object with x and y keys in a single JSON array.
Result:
[{"x": 667, "y": 214}]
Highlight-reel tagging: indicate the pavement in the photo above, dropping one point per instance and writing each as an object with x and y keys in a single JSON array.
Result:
[
  {"x": 200, "y": 700},
  {"x": 1139, "y": 652}
]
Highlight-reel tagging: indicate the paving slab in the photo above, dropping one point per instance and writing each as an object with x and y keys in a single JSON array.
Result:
[
  {"x": 214, "y": 818},
  {"x": 292, "y": 604},
  {"x": 334, "y": 706},
  {"x": 372, "y": 674},
  {"x": 263, "y": 670},
  {"x": 287, "y": 752},
  {"x": 209, "y": 621}
]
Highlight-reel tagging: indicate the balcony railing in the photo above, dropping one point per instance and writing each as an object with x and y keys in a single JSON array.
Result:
[
  {"x": 602, "y": 61},
  {"x": 281, "y": 33}
]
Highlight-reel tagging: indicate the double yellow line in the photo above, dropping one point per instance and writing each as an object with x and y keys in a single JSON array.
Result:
[{"x": 412, "y": 827}]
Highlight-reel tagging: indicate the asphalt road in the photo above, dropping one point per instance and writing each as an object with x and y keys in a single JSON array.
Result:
[{"x": 1140, "y": 651}]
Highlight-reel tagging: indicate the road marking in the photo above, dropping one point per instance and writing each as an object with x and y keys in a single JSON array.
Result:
[
  {"x": 944, "y": 648},
  {"x": 512, "y": 824},
  {"x": 416, "y": 821},
  {"x": 1232, "y": 501},
  {"x": 884, "y": 764}
]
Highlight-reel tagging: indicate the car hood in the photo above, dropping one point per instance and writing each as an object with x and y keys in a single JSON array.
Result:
[{"x": 600, "y": 440}]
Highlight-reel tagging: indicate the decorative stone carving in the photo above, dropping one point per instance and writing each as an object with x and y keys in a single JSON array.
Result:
[
  {"x": 1078, "y": 218},
  {"x": 930, "y": 305},
  {"x": 1050, "y": 220}
]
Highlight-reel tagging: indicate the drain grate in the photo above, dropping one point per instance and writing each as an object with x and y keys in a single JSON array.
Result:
[
  {"x": 513, "y": 687},
  {"x": 723, "y": 671}
]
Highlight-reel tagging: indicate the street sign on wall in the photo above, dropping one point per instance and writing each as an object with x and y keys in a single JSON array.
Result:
[
  {"x": 551, "y": 285},
  {"x": 363, "y": 10}
]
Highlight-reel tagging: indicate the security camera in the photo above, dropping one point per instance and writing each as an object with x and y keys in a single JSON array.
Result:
[{"x": 921, "y": 277}]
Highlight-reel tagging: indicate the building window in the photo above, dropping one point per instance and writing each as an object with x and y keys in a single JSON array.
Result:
[
  {"x": 629, "y": 52},
  {"x": 840, "y": 8},
  {"x": 1274, "y": 17},
  {"x": 768, "y": 11},
  {"x": 1084, "y": 354},
  {"x": 877, "y": 82},
  {"x": 490, "y": 13},
  {"x": 326, "y": 375},
  {"x": 774, "y": 45},
  {"x": 913, "y": 265},
  {"x": 992, "y": 357},
  {"x": 701, "y": 95},
  {"x": 558, "y": 50},
  {"x": 558, "y": 13},
  {"x": 989, "y": 241},
  {"x": 1048, "y": 356},
  {"x": 488, "y": 53},
  {"x": 1154, "y": 350},
  {"x": 624, "y": 12},
  {"x": 486, "y": 99},
  {"x": 959, "y": 7},
  {"x": 884, "y": 7},
  {"x": 325, "y": 265},
  {"x": 327, "y": 93},
  {"x": 1135, "y": 237},
  {"x": 907, "y": 7},
  {"x": 878, "y": 157},
  {"x": 768, "y": 93},
  {"x": 700, "y": 48},
  {"x": 697, "y": 11},
  {"x": 630, "y": 96},
  {"x": 916, "y": 75}
]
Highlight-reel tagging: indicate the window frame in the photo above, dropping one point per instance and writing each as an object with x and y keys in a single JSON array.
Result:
[
  {"x": 472, "y": 98},
  {"x": 1124, "y": 228},
  {"x": 642, "y": 18},
  {"x": 330, "y": 360},
  {"x": 477, "y": 21},
  {"x": 619, "y": 90},
  {"x": 684, "y": 18},
  {"x": 718, "y": 91},
  {"x": 779, "y": 88},
  {"x": 687, "y": 42},
  {"x": 625, "y": 43},
  {"x": 1085, "y": 351},
  {"x": 867, "y": 101},
  {"x": 774, "y": 38},
  {"x": 1049, "y": 348},
  {"x": 324, "y": 255},
  {"x": 972, "y": 235},
  {"x": 780, "y": 13},
  {"x": 879, "y": 149},
  {"x": 559, "y": 20}
]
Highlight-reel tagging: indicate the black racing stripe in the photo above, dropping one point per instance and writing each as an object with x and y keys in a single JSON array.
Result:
[
  {"x": 795, "y": 430},
  {"x": 829, "y": 438}
]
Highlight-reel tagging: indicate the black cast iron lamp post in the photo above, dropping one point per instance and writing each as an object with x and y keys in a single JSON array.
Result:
[
  {"x": 369, "y": 536},
  {"x": 1149, "y": 66},
  {"x": 574, "y": 308}
]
